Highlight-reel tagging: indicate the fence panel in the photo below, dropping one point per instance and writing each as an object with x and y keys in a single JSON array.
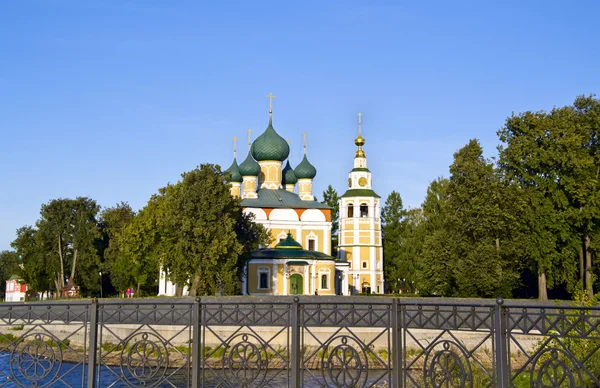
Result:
[
  {"x": 145, "y": 343},
  {"x": 298, "y": 341},
  {"x": 245, "y": 344},
  {"x": 448, "y": 345},
  {"x": 554, "y": 346},
  {"x": 346, "y": 344},
  {"x": 43, "y": 344}
]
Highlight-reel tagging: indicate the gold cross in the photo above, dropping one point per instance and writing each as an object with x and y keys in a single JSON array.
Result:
[
  {"x": 235, "y": 139},
  {"x": 270, "y": 96},
  {"x": 304, "y": 134},
  {"x": 249, "y": 138}
]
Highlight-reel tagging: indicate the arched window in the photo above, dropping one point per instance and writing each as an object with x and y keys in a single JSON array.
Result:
[
  {"x": 324, "y": 282},
  {"x": 350, "y": 210},
  {"x": 364, "y": 210}
]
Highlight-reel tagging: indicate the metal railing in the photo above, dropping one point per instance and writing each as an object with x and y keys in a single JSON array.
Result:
[{"x": 298, "y": 341}]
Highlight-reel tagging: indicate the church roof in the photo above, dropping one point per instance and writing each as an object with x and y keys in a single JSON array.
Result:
[
  {"x": 280, "y": 199},
  {"x": 234, "y": 172},
  {"x": 289, "y": 249},
  {"x": 305, "y": 170},
  {"x": 270, "y": 146},
  {"x": 360, "y": 193}
]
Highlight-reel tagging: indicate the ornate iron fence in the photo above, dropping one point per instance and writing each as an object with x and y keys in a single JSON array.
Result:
[{"x": 291, "y": 341}]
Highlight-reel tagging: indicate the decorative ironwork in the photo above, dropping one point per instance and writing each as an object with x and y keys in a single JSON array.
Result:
[
  {"x": 346, "y": 365},
  {"x": 447, "y": 365},
  {"x": 144, "y": 358},
  {"x": 33, "y": 360},
  {"x": 245, "y": 362},
  {"x": 556, "y": 368},
  {"x": 321, "y": 341}
]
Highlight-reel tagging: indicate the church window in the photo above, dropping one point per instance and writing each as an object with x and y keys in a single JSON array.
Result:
[
  {"x": 364, "y": 210},
  {"x": 324, "y": 282},
  {"x": 364, "y": 264},
  {"x": 350, "y": 210},
  {"x": 263, "y": 278},
  {"x": 311, "y": 245}
]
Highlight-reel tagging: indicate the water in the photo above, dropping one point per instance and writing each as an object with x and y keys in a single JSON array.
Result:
[{"x": 75, "y": 375}]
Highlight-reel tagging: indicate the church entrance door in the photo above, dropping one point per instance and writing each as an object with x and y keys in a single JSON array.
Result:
[{"x": 296, "y": 283}]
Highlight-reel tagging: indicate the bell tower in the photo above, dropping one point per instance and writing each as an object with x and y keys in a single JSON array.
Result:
[{"x": 359, "y": 239}]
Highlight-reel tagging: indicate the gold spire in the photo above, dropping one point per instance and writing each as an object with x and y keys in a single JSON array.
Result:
[
  {"x": 235, "y": 139},
  {"x": 304, "y": 134},
  {"x": 249, "y": 138},
  {"x": 270, "y": 96},
  {"x": 360, "y": 141}
]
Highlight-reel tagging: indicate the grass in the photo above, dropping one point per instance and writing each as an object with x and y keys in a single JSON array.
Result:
[{"x": 7, "y": 338}]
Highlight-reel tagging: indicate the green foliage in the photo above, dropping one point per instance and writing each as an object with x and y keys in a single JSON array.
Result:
[
  {"x": 64, "y": 244},
  {"x": 553, "y": 157},
  {"x": 469, "y": 248},
  {"x": 331, "y": 199},
  {"x": 9, "y": 266},
  {"x": 396, "y": 263},
  {"x": 195, "y": 230}
]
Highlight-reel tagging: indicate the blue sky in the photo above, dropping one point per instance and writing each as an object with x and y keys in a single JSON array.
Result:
[{"x": 114, "y": 99}]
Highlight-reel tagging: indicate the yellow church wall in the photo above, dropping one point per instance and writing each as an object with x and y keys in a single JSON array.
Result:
[
  {"x": 364, "y": 240},
  {"x": 253, "y": 279},
  {"x": 348, "y": 253},
  {"x": 364, "y": 226},
  {"x": 365, "y": 257},
  {"x": 319, "y": 237}
]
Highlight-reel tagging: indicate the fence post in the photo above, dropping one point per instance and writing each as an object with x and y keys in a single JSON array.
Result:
[
  {"x": 397, "y": 347},
  {"x": 296, "y": 354},
  {"x": 500, "y": 337},
  {"x": 93, "y": 344},
  {"x": 196, "y": 344}
]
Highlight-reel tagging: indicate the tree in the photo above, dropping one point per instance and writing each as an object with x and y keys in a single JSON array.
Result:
[
  {"x": 199, "y": 220},
  {"x": 142, "y": 244},
  {"x": 544, "y": 154},
  {"x": 9, "y": 266},
  {"x": 436, "y": 261},
  {"x": 331, "y": 199},
  {"x": 113, "y": 222},
  {"x": 480, "y": 221},
  {"x": 64, "y": 245},
  {"x": 393, "y": 226},
  {"x": 37, "y": 270},
  {"x": 469, "y": 243}
]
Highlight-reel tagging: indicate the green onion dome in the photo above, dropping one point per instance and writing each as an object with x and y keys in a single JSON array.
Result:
[
  {"x": 289, "y": 243},
  {"x": 288, "y": 176},
  {"x": 305, "y": 170},
  {"x": 234, "y": 173},
  {"x": 270, "y": 146},
  {"x": 249, "y": 167}
]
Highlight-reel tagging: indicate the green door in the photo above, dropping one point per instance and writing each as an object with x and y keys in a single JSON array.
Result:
[{"x": 296, "y": 284}]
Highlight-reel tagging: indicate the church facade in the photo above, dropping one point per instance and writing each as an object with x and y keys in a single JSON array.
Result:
[{"x": 299, "y": 260}]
